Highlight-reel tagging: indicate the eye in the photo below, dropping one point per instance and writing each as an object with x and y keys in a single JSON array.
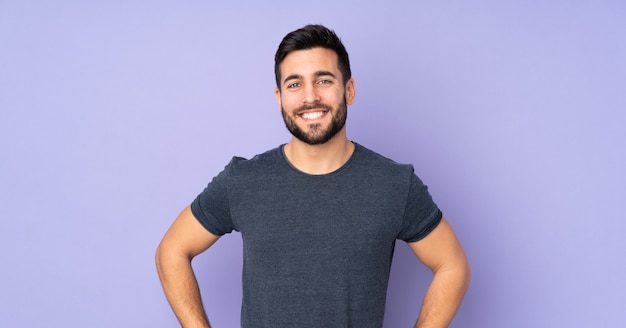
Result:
[
  {"x": 325, "y": 81},
  {"x": 293, "y": 85}
]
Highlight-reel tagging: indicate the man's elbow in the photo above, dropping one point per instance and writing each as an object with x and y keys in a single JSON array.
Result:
[
  {"x": 158, "y": 259},
  {"x": 165, "y": 256},
  {"x": 457, "y": 272},
  {"x": 461, "y": 270},
  {"x": 466, "y": 274}
]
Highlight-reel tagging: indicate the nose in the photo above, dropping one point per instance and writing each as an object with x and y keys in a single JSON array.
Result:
[{"x": 310, "y": 94}]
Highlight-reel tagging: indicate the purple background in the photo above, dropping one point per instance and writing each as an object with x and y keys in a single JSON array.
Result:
[{"x": 114, "y": 116}]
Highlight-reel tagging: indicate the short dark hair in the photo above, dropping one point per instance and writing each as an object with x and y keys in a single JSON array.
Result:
[{"x": 308, "y": 37}]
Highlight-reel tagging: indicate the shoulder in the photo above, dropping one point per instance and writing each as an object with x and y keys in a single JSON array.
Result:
[
  {"x": 269, "y": 155},
  {"x": 372, "y": 160},
  {"x": 259, "y": 163}
]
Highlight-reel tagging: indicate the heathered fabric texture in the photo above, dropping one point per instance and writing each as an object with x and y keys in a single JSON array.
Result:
[{"x": 317, "y": 248}]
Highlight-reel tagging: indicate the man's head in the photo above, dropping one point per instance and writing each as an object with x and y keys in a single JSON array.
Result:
[
  {"x": 314, "y": 84},
  {"x": 309, "y": 37}
]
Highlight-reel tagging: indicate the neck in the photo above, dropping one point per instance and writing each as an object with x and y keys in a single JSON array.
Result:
[{"x": 319, "y": 159}]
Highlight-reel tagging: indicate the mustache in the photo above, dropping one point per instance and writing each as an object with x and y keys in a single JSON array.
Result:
[{"x": 316, "y": 105}]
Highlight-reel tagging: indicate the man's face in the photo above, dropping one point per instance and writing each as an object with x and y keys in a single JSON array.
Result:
[{"x": 312, "y": 97}]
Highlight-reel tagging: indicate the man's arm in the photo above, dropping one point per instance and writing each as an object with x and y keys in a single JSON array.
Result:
[
  {"x": 185, "y": 239},
  {"x": 442, "y": 253}
]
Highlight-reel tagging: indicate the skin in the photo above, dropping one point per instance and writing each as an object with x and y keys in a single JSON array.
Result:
[
  {"x": 442, "y": 253},
  {"x": 185, "y": 239},
  {"x": 310, "y": 78}
]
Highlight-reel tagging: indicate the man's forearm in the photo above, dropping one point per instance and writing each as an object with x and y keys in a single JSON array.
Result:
[
  {"x": 443, "y": 297},
  {"x": 181, "y": 289}
]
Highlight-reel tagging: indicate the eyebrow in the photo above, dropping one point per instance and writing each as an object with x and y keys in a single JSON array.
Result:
[
  {"x": 317, "y": 74},
  {"x": 324, "y": 73}
]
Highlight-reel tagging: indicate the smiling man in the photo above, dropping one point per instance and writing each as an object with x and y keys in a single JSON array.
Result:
[
  {"x": 319, "y": 215},
  {"x": 313, "y": 75}
]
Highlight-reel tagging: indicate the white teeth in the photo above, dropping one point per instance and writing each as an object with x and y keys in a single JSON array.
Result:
[{"x": 312, "y": 115}]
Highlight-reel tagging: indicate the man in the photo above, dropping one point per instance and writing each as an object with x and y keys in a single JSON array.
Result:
[{"x": 319, "y": 216}]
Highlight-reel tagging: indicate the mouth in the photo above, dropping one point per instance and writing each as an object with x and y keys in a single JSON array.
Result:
[{"x": 313, "y": 115}]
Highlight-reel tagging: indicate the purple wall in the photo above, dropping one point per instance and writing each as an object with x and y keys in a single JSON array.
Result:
[{"x": 113, "y": 117}]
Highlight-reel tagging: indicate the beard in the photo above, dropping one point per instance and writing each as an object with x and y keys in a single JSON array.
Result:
[{"x": 316, "y": 134}]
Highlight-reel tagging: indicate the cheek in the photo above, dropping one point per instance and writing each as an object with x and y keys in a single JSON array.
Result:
[
  {"x": 335, "y": 95},
  {"x": 288, "y": 101}
]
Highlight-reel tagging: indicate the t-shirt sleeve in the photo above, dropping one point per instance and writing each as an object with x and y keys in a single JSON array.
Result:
[
  {"x": 421, "y": 215},
  {"x": 211, "y": 208}
]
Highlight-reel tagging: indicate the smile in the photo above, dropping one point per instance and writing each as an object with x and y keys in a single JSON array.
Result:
[{"x": 312, "y": 115}]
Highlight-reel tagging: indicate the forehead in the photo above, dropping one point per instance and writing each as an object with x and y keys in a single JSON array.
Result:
[{"x": 309, "y": 61}]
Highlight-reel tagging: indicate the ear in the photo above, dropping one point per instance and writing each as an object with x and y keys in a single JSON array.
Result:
[
  {"x": 279, "y": 101},
  {"x": 350, "y": 92}
]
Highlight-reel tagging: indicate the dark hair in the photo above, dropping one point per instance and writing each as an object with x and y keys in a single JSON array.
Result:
[{"x": 308, "y": 37}]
